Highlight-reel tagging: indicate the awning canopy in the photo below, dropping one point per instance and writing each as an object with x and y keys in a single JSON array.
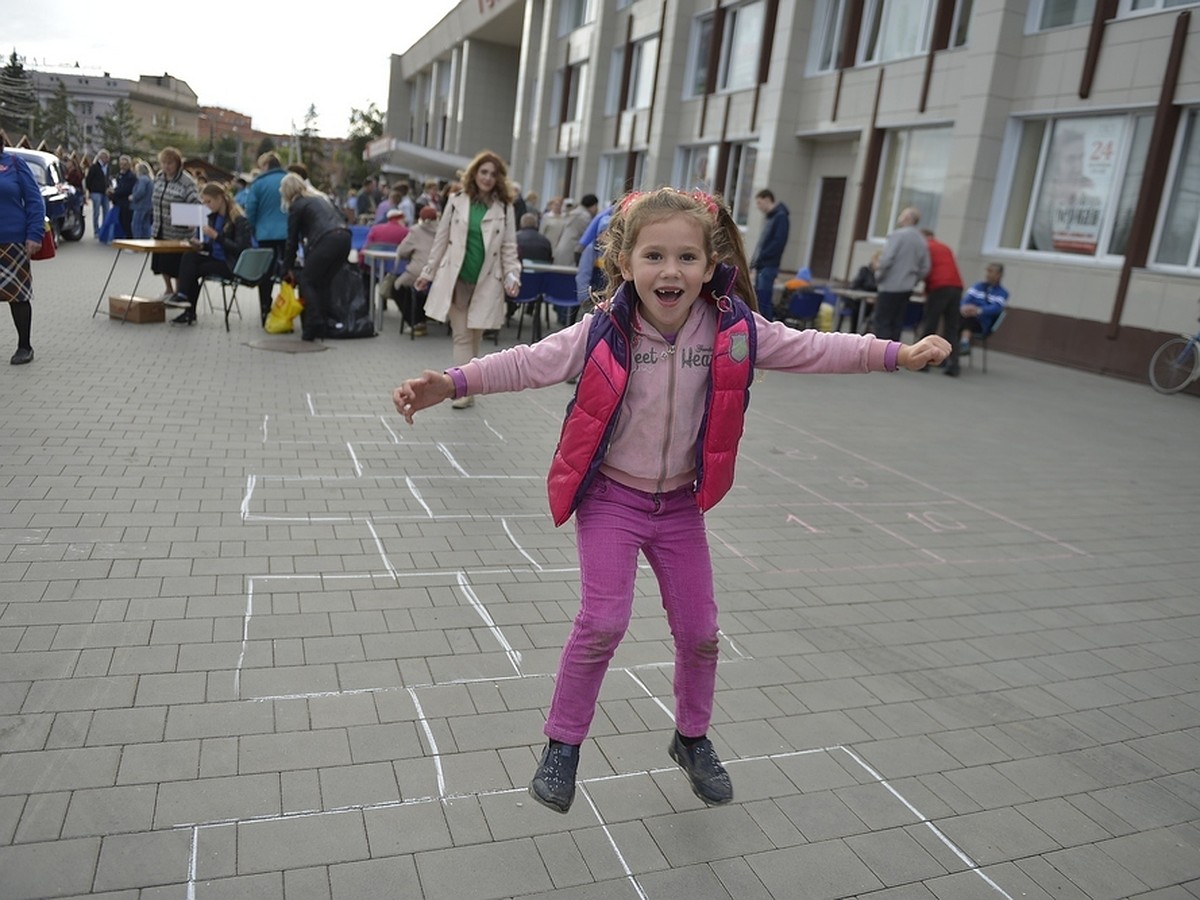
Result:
[{"x": 396, "y": 156}]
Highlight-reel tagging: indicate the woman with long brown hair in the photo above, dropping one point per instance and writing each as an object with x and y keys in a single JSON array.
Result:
[
  {"x": 474, "y": 261},
  {"x": 226, "y": 235}
]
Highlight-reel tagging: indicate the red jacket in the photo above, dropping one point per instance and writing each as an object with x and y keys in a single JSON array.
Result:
[{"x": 943, "y": 270}]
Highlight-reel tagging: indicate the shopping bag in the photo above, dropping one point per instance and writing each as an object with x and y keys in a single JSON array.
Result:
[
  {"x": 110, "y": 228},
  {"x": 284, "y": 309},
  {"x": 48, "y": 248}
]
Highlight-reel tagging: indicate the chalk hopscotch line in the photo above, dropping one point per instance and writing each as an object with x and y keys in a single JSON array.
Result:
[
  {"x": 584, "y": 784},
  {"x": 934, "y": 489}
]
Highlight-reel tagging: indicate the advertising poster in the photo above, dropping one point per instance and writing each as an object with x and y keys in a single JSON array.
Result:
[{"x": 1078, "y": 183}]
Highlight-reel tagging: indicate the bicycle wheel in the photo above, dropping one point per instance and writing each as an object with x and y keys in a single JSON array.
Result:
[{"x": 1173, "y": 364}]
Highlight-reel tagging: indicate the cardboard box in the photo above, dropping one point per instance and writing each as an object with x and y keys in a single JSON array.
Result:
[{"x": 141, "y": 309}]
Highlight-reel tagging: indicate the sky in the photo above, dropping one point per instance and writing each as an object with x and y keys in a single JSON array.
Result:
[{"x": 254, "y": 58}]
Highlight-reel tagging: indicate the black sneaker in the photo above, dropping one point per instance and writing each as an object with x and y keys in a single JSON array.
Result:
[
  {"x": 553, "y": 783},
  {"x": 187, "y": 317},
  {"x": 178, "y": 301},
  {"x": 22, "y": 356},
  {"x": 710, "y": 781}
]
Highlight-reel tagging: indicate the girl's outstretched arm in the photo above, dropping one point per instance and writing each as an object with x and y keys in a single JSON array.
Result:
[
  {"x": 429, "y": 389},
  {"x": 929, "y": 351}
]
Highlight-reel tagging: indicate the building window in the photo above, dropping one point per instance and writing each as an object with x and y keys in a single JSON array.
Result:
[
  {"x": 913, "y": 173},
  {"x": 571, "y": 79},
  {"x": 574, "y": 14},
  {"x": 698, "y": 53},
  {"x": 1133, "y": 7},
  {"x": 641, "y": 77},
  {"x": 962, "y": 23},
  {"x": 742, "y": 46},
  {"x": 1045, "y": 14},
  {"x": 698, "y": 170},
  {"x": 1074, "y": 184},
  {"x": 698, "y": 166},
  {"x": 612, "y": 175},
  {"x": 895, "y": 29},
  {"x": 739, "y": 181},
  {"x": 641, "y": 74},
  {"x": 828, "y": 22},
  {"x": 1178, "y": 240},
  {"x": 555, "y": 175}
]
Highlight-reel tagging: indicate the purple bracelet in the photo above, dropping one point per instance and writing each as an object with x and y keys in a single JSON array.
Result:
[
  {"x": 460, "y": 382},
  {"x": 891, "y": 356}
]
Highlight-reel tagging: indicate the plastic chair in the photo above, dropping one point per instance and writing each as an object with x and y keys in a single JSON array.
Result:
[
  {"x": 358, "y": 236},
  {"x": 529, "y": 297},
  {"x": 981, "y": 338},
  {"x": 251, "y": 267},
  {"x": 802, "y": 308},
  {"x": 560, "y": 291}
]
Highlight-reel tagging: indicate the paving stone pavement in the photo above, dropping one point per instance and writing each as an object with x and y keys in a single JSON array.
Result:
[{"x": 260, "y": 639}]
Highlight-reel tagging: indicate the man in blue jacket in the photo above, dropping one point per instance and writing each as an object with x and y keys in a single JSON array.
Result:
[
  {"x": 268, "y": 220},
  {"x": 982, "y": 304},
  {"x": 769, "y": 252}
]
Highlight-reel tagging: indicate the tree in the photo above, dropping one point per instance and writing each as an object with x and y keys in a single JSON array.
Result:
[
  {"x": 59, "y": 125},
  {"x": 226, "y": 154},
  {"x": 266, "y": 145},
  {"x": 365, "y": 126},
  {"x": 312, "y": 151},
  {"x": 119, "y": 131},
  {"x": 17, "y": 98}
]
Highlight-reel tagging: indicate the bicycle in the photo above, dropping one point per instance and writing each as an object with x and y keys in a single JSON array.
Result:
[{"x": 1175, "y": 364}]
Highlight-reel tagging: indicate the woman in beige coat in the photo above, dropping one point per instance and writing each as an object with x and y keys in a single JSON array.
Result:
[{"x": 473, "y": 262}]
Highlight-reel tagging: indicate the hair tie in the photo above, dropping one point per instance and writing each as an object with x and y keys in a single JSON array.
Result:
[
  {"x": 707, "y": 200},
  {"x": 629, "y": 199}
]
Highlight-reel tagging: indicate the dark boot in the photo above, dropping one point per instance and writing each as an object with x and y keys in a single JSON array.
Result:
[
  {"x": 22, "y": 316},
  {"x": 553, "y": 783}
]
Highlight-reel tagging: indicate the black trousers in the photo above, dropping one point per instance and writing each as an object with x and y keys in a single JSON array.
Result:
[
  {"x": 194, "y": 268},
  {"x": 322, "y": 261},
  {"x": 267, "y": 285},
  {"x": 125, "y": 217},
  {"x": 889, "y": 314},
  {"x": 941, "y": 313}
]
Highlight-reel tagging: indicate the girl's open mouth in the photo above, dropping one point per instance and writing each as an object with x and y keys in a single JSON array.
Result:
[{"x": 668, "y": 295}]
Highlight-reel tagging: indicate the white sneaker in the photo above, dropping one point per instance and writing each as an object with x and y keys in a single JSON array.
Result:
[{"x": 463, "y": 402}]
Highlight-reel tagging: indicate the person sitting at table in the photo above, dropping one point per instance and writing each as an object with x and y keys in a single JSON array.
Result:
[
  {"x": 864, "y": 280},
  {"x": 226, "y": 235},
  {"x": 391, "y": 231},
  {"x": 415, "y": 248},
  {"x": 982, "y": 304}
]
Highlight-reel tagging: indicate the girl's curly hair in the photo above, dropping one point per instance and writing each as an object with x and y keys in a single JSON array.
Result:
[{"x": 722, "y": 239}]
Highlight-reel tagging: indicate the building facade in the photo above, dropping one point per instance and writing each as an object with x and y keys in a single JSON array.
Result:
[
  {"x": 92, "y": 96},
  {"x": 1057, "y": 137}
]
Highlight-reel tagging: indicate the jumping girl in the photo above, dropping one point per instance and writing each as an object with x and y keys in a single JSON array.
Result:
[{"x": 649, "y": 443}]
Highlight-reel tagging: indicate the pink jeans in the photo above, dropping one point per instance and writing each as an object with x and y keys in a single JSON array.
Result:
[{"x": 612, "y": 524}]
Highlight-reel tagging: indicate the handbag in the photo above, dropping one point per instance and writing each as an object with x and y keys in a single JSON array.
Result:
[
  {"x": 48, "y": 248},
  {"x": 285, "y": 308}
]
